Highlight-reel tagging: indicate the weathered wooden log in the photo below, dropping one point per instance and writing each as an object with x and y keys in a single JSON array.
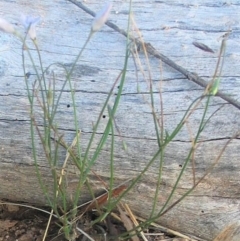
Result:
[{"x": 170, "y": 28}]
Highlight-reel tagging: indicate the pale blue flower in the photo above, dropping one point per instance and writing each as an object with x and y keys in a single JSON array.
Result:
[
  {"x": 29, "y": 23},
  {"x": 6, "y": 26},
  {"x": 101, "y": 18}
]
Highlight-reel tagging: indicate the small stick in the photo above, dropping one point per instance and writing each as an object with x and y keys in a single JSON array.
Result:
[{"x": 151, "y": 50}]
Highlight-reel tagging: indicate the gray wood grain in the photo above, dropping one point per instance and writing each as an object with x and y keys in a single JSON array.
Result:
[{"x": 171, "y": 27}]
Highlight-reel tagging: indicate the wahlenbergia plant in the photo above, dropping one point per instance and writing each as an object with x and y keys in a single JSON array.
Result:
[{"x": 42, "y": 94}]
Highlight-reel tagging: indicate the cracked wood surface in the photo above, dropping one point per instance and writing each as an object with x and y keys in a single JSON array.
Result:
[{"x": 171, "y": 27}]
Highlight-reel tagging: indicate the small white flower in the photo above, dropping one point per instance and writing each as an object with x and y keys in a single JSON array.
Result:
[
  {"x": 29, "y": 24},
  {"x": 6, "y": 26},
  {"x": 101, "y": 18}
]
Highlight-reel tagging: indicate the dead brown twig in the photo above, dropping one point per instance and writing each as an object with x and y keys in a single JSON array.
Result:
[{"x": 152, "y": 51}]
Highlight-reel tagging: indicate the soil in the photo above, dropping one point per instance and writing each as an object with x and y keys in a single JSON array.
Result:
[{"x": 26, "y": 224}]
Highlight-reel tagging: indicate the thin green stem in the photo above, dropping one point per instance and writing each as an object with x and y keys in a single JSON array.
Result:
[
  {"x": 188, "y": 157},
  {"x": 111, "y": 155}
]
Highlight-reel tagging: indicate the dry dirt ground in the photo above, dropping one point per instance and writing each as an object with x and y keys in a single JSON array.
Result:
[
  {"x": 23, "y": 224},
  {"x": 26, "y": 224}
]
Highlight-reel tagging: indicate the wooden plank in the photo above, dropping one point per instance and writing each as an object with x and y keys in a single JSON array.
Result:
[{"x": 171, "y": 27}]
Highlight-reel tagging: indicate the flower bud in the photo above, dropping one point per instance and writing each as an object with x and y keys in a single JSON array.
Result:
[
  {"x": 6, "y": 26},
  {"x": 101, "y": 18}
]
